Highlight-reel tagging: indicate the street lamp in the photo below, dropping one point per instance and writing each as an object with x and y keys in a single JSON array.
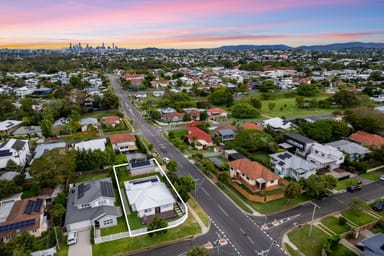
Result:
[
  {"x": 313, "y": 216},
  {"x": 198, "y": 186}
]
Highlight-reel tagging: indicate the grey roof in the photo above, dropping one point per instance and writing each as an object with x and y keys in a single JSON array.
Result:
[
  {"x": 349, "y": 147},
  {"x": 226, "y": 132},
  {"x": 42, "y": 148},
  {"x": 88, "y": 120},
  {"x": 319, "y": 117},
  {"x": 288, "y": 160},
  {"x": 216, "y": 161},
  {"x": 95, "y": 190},
  {"x": 25, "y": 130},
  {"x": 87, "y": 192},
  {"x": 374, "y": 245},
  {"x": 299, "y": 137}
]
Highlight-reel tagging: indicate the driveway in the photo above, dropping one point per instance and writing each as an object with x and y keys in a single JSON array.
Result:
[{"x": 83, "y": 246}]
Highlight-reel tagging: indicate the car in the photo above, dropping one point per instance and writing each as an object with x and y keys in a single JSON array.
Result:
[
  {"x": 353, "y": 188},
  {"x": 72, "y": 238},
  {"x": 379, "y": 206},
  {"x": 323, "y": 195},
  {"x": 166, "y": 160},
  {"x": 382, "y": 177}
]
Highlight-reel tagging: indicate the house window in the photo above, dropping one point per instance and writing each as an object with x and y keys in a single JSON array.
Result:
[
  {"x": 147, "y": 210},
  {"x": 84, "y": 205},
  {"x": 108, "y": 222}
]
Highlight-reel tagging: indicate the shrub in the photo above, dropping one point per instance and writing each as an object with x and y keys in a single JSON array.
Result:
[{"x": 342, "y": 221}]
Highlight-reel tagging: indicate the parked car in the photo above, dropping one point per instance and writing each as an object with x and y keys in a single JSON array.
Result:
[
  {"x": 72, "y": 238},
  {"x": 379, "y": 206},
  {"x": 353, "y": 188},
  {"x": 323, "y": 195},
  {"x": 382, "y": 177},
  {"x": 166, "y": 160}
]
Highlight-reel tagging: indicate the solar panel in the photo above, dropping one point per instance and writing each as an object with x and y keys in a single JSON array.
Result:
[
  {"x": 37, "y": 205},
  {"x": 17, "y": 225},
  {"x": 29, "y": 207},
  {"x": 281, "y": 163},
  {"x": 140, "y": 164},
  {"x": 5, "y": 152},
  {"x": 106, "y": 189},
  {"x": 80, "y": 191}
]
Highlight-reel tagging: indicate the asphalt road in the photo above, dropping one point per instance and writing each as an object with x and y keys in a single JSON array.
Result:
[{"x": 244, "y": 236}]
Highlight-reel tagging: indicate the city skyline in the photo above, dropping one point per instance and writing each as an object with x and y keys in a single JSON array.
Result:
[{"x": 181, "y": 24}]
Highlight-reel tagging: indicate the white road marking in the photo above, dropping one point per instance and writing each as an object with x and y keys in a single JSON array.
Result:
[
  {"x": 221, "y": 208},
  {"x": 250, "y": 240},
  {"x": 205, "y": 191},
  {"x": 242, "y": 231}
]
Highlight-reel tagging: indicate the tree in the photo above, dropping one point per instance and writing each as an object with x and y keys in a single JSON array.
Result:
[
  {"x": 157, "y": 223},
  {"x": 203, "y": 116},
  {"x": 324, "y": 130},
  {"x": 317, "y": 184},
  {"x": 110, "y": 101},
  {"x": 57, "y": 213},
  {"x": 54, "y": 167},
  {"x": 21, "y": 244},
  {"x": 252, "y": 140},
  {"x": 346, "y": 99},
  {"x": 300, "y": 102},
  {"x": 223, "y": 177},
  {"x": 307, "y": 90},
  {"x": 255, "y": 102},
  {"x": 12, "y": 166},
  {"x": 293, "y": 190},
  {"x": 266, "y": 85},
  {"x": 221, "y": 96},
  {"x": 271, "y": 106},
  {"x": 244, "y": 110},
  {"x": 7, "y": 188},
  {"x": 376, "y": 76},
  {"x": 198, "y": 251},
  {"x": 172, "y": 166},
  {"x": 365, "y": 119},
  {"x": 357, "y": 206},
  {"x": 155, "y": 115}
]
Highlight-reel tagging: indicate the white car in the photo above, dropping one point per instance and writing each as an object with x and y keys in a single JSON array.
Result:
[
  {"x": 72, "y": 238},
  {"x": 382, "y": 177},
  {"x": 166, "y": 160}
]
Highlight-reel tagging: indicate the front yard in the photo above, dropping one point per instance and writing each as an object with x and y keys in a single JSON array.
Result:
[
  {"x": 309, "y": 245},
  {"x": 362, "y": 219},
  {"x": 333, "y": 224}
]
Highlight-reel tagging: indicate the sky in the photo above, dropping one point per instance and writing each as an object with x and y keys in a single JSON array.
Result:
[{"x": 188, "y": 24}]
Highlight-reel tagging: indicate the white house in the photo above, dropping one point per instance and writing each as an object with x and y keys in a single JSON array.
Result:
[
  {"x": 325, "y": 156},
  {"x": 9, "y": 126},
  {"x": 15, "y": 150},
  {"x": 148, "y": 197},
  {"x": 123, "y": 143},
  {"x": 278, "y": 124},
  {"x": 91, "y": 145},
  {"x": 286, "y": 165},
  {"x": 91, "y": 204},
  {"x": 89, "y": 121},
  {"x": 353, "y": 150}
]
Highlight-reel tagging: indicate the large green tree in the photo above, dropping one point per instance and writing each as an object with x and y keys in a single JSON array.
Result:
[
  {"x": 317, "y": 184},
  {"x": 54, "y": 167},
  {"x": 198, "y": 251},
  {"x": 365, "y": 119},
  {"x": 346, "y": 99},
  {"x": 325, "y": 130},
  {"x": 253, "y": 140},
  {"x": 221, "y": 96},
  {"x": 307, "y": 90},
  {"x": 244, "y": 110}
]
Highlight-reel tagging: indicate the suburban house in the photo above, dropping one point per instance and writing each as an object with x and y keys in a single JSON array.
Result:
[
  {"x": 370, "y": 140},
  {"x": 172, "y": 117},
  {"x": 225, "y": 134},
  {"x": 111, "y": 121},
  {"x": 141, "y": 167},
  {"x": 253, "y": 174},
  {"x": 140, "y": 95},
  {"x": 373, "y": 245},
  {"x": 17, "y": 216},
  {"x": 59, "y": 122},
  {"x": 199, "y": 137},
  {"x": 15, "y": 150},
  {"x": 7, "y": 127},
  {"x": 91, "y": 144},
  {"x": 217, "y": 113},
  {"x": 88, "y": 122},
  {"x": 251, "y": 126},
  {"x": 123, "y": 143},
  {"x": 297, "y": 144},
  {"x": 278, "y": 124},
  {"x": 324, "y": 156},
  {"x": 91, "y": 203},
  {"x": 28, "y": 131},
  {"x": 149, "y": 196},
  {"x": 286, "y": 164},
  {"x": 231, "y": 155},
  {"x": 353, "y": 150}
]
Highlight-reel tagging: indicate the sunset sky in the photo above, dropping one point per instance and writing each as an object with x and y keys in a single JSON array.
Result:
[{"x": 188, "y": 24}]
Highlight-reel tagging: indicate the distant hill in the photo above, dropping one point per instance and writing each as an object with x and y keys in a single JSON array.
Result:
[
  {"x": 255, "y": 47},
  {"x": 327, "y": 47}
]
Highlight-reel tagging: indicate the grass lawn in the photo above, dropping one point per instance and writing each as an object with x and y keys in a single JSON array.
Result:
[
  {"x": 189, "y": 228},
  {"x": 287, "y": 107},
  {"x": 343, "y": 184},
  {"x": 120, "y": 227},
  {"x": 373, "y": 175},
  {"x": 100, "y": 114},
  {"x": 235, "y": 198},
  {"x": 363, "y": 219},
  {"x": 120, "y": 159},
  {"x": 278, "y": 205},
  {"x": 341, "y": 250},
  {"x": 134, "y": 221},
  {"x": 310, "y": 246},
  {"x": 200, "y": 212},
  {"x": 260, "y": 157},
  {"x": 291, "y": 251},
  {"x": 332, "y": 223},
  {"x": 180, "y": 133},
  {"x": 94, "y": 176}
]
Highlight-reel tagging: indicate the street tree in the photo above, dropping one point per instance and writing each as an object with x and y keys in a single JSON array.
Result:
[
  {"x": 172, "y": 166},
  {"x": 157, "y": 223},
  {"x": 198, "y": 251},
  {"x": 357, "y": 206},
  {"x": 293, "y": 190},
  {"x": 57, "y": 213},
  {"x": 317, "y": 184}
]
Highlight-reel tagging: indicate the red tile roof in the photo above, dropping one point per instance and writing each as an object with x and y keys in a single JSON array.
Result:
[
  {"x": 216, "y": 110},
  {"x": 368, "y": 139},
  {"x": 110, "y": 120},
  {"x": 120, "y": 138},
  {"x": 198, "y": 134},
  {"x": 253, "y": 170},
  {"x": 252, "y": 126}
]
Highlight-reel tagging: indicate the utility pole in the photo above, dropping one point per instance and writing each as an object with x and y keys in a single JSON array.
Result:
[
  {"x": 197, "y": 186},
  {"x": 313, "y": 216}
]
